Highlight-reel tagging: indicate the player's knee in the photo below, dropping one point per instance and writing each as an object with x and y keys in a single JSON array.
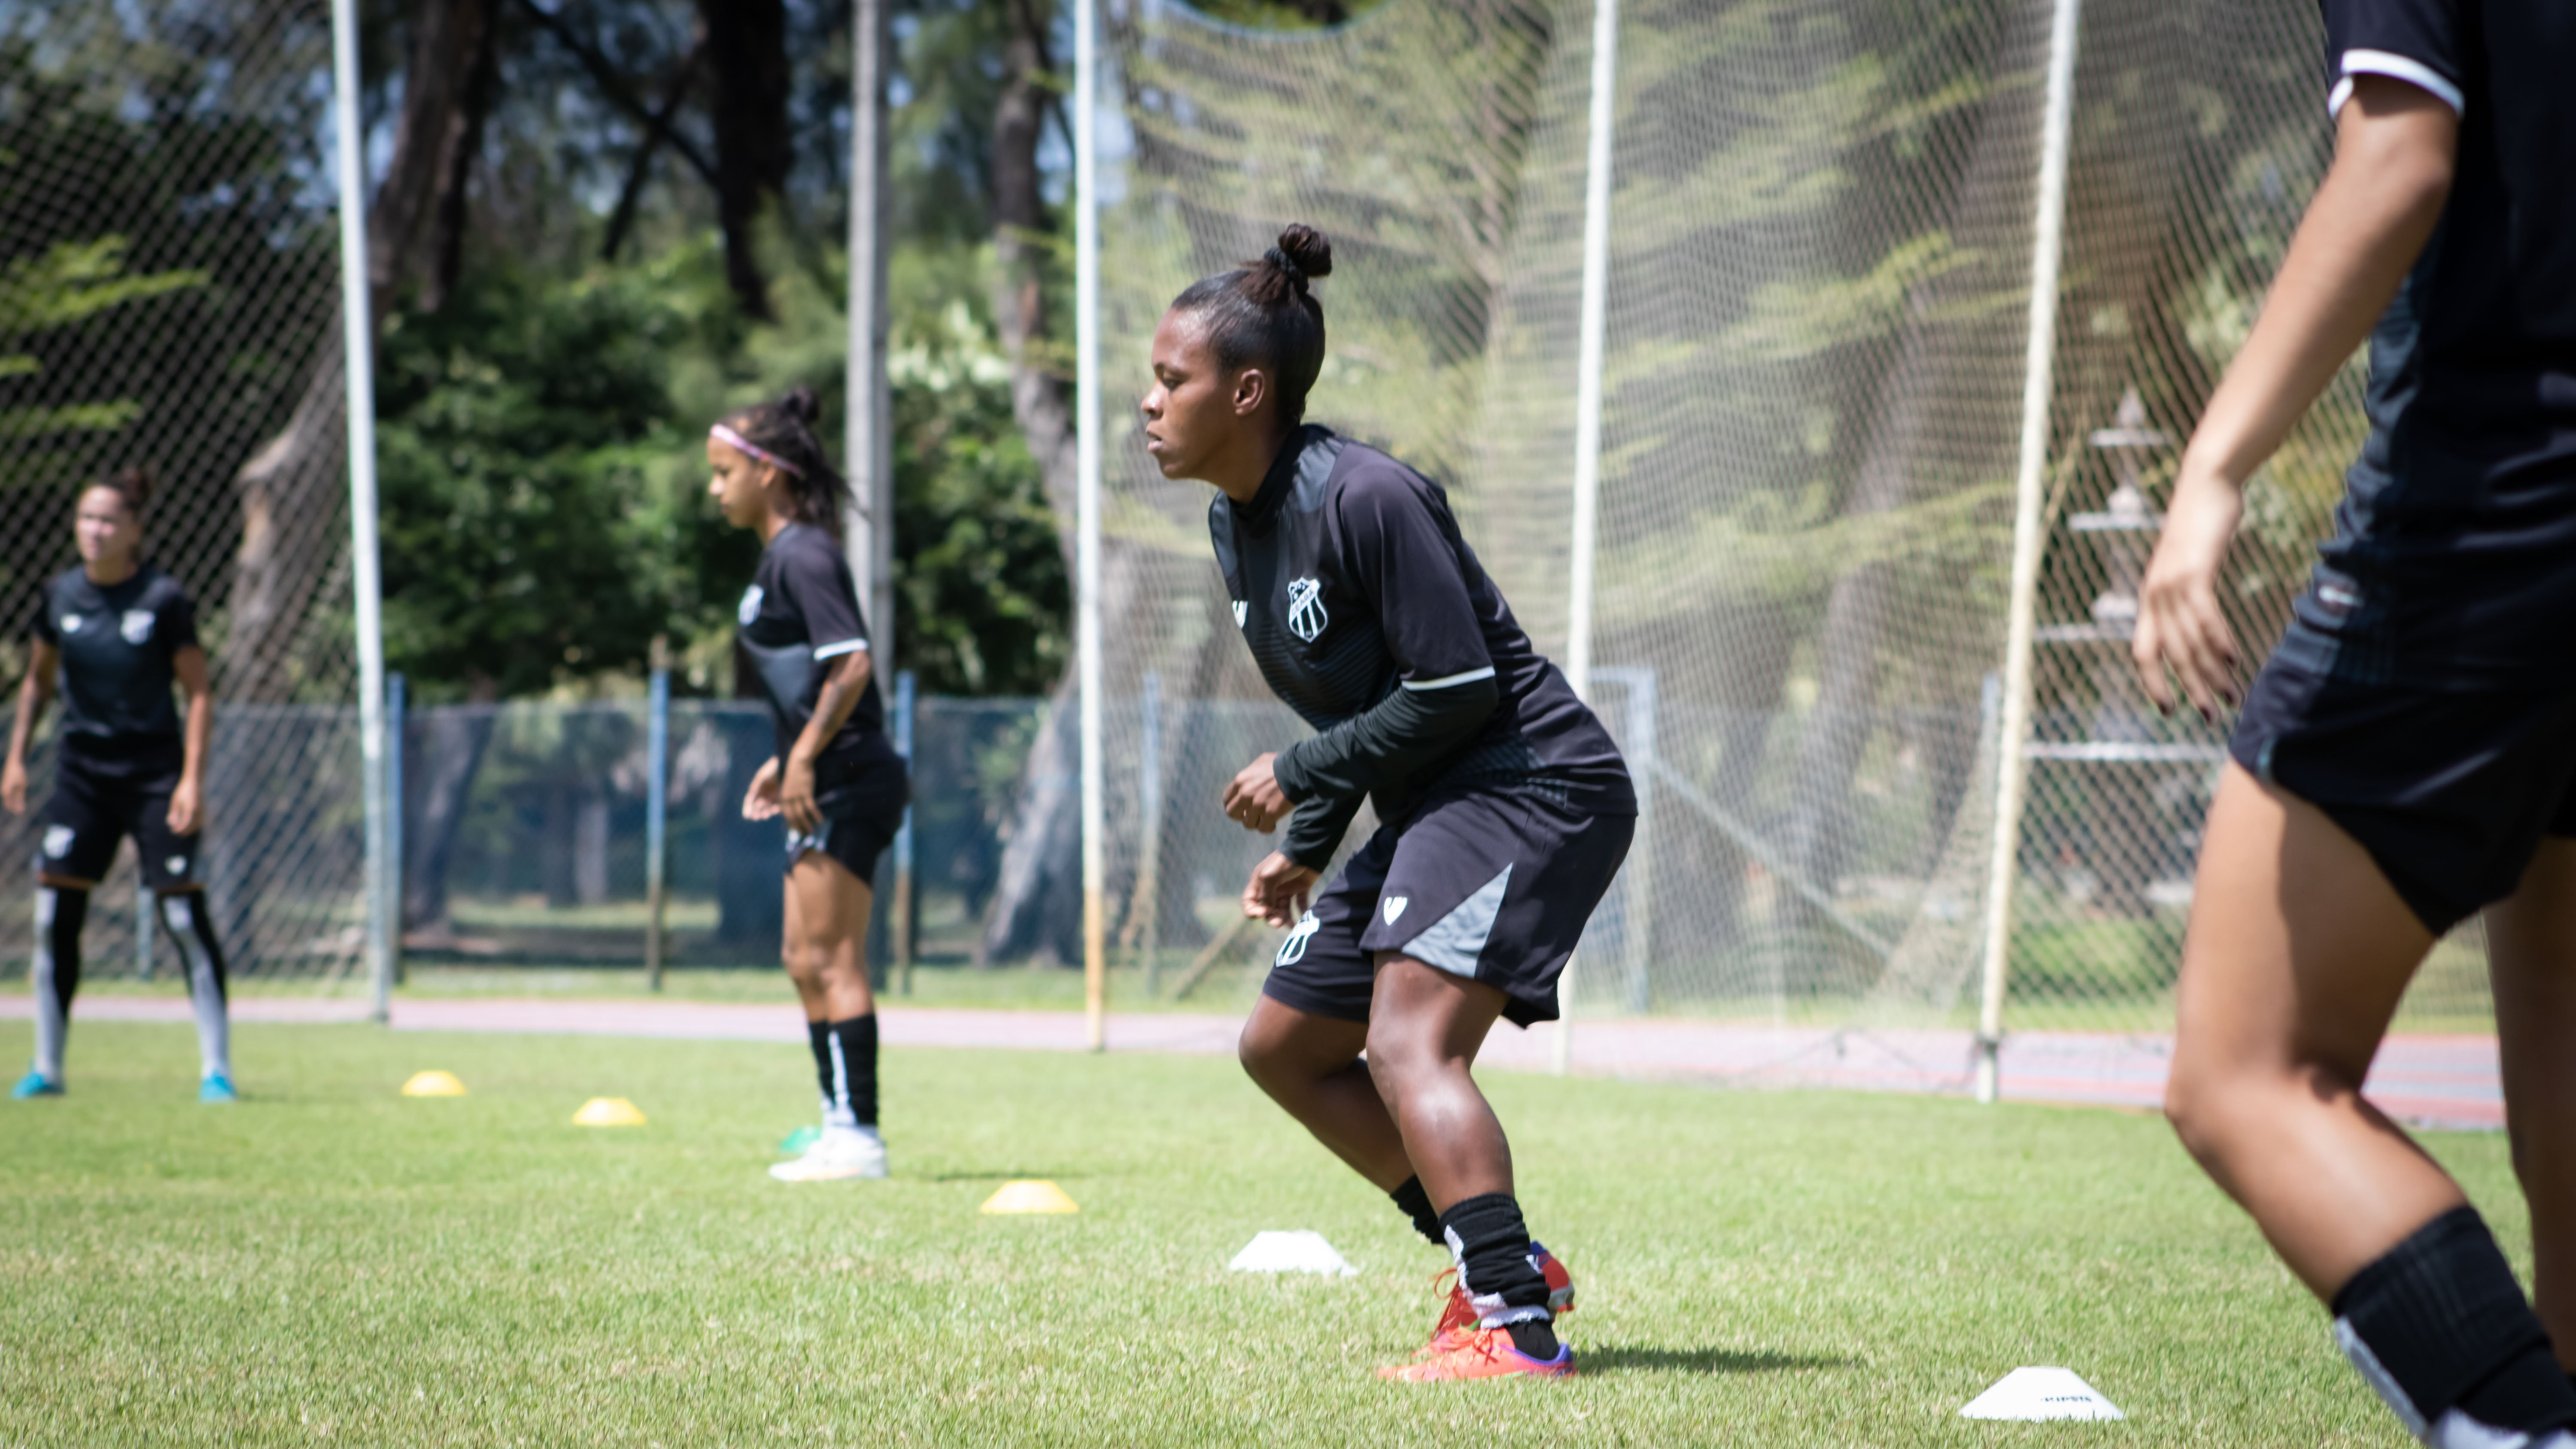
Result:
[{"x": 1396, "y": 1050}]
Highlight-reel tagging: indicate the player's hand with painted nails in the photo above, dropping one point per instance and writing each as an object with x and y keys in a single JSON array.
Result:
[
  {"x": 1278, "y": 890},
  {"x": 1254, "y": 799},
  {"x": 2180, "y": 624}
]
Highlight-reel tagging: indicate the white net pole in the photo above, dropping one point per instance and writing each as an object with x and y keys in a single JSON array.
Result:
[
  {"x": 358, "y": 337},
  {"x": 1587, "y": 412},
  {"x": 2010, "y": 773},
  {"x": 1086, "y": 311}
]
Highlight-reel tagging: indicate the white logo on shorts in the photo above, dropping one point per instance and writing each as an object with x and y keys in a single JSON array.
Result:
[
  {"x": 58, "y": 841},
  {"x": 1394, "y": 907},
  {"x": 137, "y": 626},
  {"x": 71, "y": 623},
  {"x": 1306, "y": 616},
  {"x": 749, "y": 608},
  {"x": 1242, "y": 611},
  {"x": 1293, "y": 950},
  {"x": 176, "y": 865}
]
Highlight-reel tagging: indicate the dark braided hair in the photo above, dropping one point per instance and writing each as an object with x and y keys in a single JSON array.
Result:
[
  {"x": 132, "y": 485},
  {"x": 1263, "y": 312},
  {"x": 785, "y": 428}
]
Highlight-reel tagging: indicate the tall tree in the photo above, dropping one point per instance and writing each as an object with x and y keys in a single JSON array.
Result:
[
  {"x": 286, "y": 486},
  {"x": 746, "y": 59}
]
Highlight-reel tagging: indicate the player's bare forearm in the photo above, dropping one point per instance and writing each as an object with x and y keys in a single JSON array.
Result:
[
  {"x": 33, "y": 692},
  {"x": 841, "y": 692},
  {"x": 2394, "y": 145},
  {"x": 189, "y": 665}
]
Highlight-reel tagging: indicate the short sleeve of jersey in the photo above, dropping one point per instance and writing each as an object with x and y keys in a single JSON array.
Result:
[
  {"x": 177, "y": 625},
  {"x": 43, "y": 630},
  {"x": 2415, "y": 41},
  {"x": 1398, "y": 555},
  {"x": 818, "y": 585}
]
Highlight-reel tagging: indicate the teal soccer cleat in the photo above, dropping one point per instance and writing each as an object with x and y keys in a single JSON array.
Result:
[{"x": 35, "y": 1084}]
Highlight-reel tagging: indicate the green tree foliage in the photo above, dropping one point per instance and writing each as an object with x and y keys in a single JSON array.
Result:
[{"x": 518, "y": 427}]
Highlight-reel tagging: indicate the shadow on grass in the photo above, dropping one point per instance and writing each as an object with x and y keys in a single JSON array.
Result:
[
  {"x": 1011, "y": 1175},
  {"x": 1628, "y": 1359}
]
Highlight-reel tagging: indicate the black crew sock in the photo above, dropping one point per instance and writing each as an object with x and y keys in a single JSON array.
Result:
[
  {"x": 2438, "y": 1323},
  {"x": 1491, "y": 1243},
  {"x": 1535, "y": 1337},
  {"x": 818, "y": 1034},
  {"x": 1414, "y": 1203},
  {"x": 855, "y": 1048}
]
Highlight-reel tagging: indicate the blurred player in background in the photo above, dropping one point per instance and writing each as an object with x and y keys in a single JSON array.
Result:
[
  {"x": 1505, "y": 807},
  {"x": 114, "y": 634},
  {"x": 2408, "y": 756},
  {"x": 835, "y": 780}
]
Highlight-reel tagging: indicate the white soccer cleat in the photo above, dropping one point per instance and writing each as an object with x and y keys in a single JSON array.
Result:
[{"x": 838, "y": 1155}]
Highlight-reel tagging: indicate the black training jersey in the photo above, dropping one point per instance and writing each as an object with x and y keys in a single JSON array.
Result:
[
  {"x": 2454, "y": 555},
  {"x": 801, "y": 613},
  {"x": 1350, "y": 581},
  {"x": 117, "y": 643}
]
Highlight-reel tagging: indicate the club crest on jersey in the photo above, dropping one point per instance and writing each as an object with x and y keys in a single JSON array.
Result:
[
  {"x": 1293, "y": 950},
  {"x": 70, "y": 623},
  {"x": 1306, "y": 616},
  {"x": 1394, "y": 907},
  {"x": 1242, "y": 611},
  {"x": 749, "y": 609},
  {"x": 136, "y": 626}
]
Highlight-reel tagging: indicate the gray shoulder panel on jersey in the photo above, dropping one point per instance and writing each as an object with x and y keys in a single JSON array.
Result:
[{"x": 1322, "y": 453}]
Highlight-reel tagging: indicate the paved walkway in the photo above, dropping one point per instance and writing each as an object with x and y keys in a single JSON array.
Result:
[{"x": 2439, "y": 1080}]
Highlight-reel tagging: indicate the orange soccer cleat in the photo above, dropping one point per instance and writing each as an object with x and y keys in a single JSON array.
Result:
[
  {"x": 1458, "y": 1316},
  {"x": 1483, "y": 1353}
]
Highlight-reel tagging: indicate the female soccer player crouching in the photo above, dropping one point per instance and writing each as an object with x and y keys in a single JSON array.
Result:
[
  {"x": 2408, "y": 756},
  {"x": 836, "y": 780},
  {"x": 119, "y": 631},
  {"x": 1506, "y": 808}
]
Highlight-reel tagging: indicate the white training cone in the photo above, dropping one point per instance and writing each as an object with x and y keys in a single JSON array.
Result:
[
  {"x": 2041, "y": 1393},
  {"x": 1301, "y": 1251}
]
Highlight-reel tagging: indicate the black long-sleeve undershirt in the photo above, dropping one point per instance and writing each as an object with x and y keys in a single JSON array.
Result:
[{"x": 1383, "y": 752}]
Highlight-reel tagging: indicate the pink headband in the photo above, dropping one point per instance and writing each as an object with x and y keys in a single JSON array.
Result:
[{"x": 723, "y": 434}]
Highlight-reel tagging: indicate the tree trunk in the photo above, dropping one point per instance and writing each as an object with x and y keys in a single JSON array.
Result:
[
  {"x": 1041, "y": 854},
  {"x": 290, "y": 529},
  {"x": 746, "y": 52}
]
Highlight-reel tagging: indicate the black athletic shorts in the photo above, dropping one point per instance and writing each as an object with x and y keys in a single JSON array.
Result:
[
  {"x": 92, "y": 810},
  {"x": 2449, "y": 790},
  {"x": 862, "y": 798},
  {"x": 1492, "y": 886}
]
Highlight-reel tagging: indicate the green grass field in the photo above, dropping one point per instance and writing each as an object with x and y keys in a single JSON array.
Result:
[{"x": 332, "y": 1262}]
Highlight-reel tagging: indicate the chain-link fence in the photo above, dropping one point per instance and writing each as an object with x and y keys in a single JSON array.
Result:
[
  {"x": 168, "y": 299},
  {"x": 1820, "y": 247}
]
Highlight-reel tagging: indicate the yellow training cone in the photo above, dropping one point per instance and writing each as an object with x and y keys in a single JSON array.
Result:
[
  {"x": 608, "y": 1112},
  {"x": 433, "y": 1084},
  {"x": 1030, "y": 1197}
]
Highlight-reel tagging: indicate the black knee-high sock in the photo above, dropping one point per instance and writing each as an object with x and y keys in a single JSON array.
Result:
[
  {"x": 853, "y": 1044},
  {"x": 2438, "y": 1326},
  {"x": 60, "y": 912},
  {"x": 818, "y": 1034},
  {"x": 192, "y": 927},
  {"x": 1414, "y": 1203},
  {"x": 1492, "y": 1245}
]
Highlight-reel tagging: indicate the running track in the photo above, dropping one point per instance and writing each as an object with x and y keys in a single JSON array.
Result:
[{"x": 2446, "y": 1081}]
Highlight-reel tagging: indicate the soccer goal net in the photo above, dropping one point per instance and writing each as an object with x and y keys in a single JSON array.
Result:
[
  {"x": 1819, "y": 264},
  {"x": 168, "y": 300}
]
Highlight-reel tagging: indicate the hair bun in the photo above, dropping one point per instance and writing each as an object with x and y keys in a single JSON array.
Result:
[
  {"x": 1309, "y": 251},
  {"x": 801, "y": 404}
]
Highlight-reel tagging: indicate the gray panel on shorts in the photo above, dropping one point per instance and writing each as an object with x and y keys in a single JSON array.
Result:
[{"x": 1455, "y": 940}]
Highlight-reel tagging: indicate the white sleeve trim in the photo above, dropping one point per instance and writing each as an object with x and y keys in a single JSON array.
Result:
[
  {"x": 1470, "y": 677},
  {"x": 2395, "y": 67},
  {"x": 835, "y": 651}
]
